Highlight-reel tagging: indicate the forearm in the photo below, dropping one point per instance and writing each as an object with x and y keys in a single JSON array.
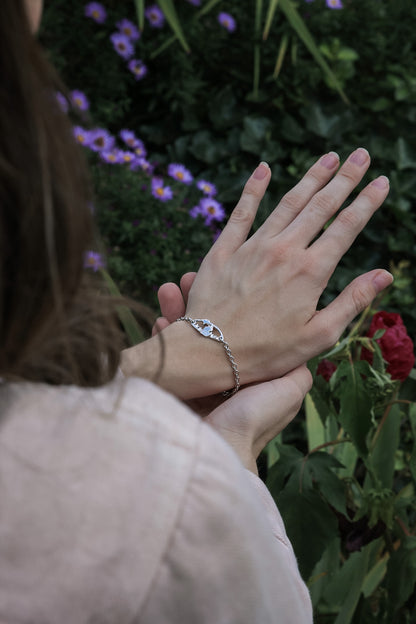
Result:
[{"x": 181, "y": 362}]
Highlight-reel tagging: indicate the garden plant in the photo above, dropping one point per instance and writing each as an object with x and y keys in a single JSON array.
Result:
[{"x": 174, "y": 104}]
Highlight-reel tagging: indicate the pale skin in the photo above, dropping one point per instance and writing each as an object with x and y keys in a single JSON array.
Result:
[{"x": 263, "y": 294}]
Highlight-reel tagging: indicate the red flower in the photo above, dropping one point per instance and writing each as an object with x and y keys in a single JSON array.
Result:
[
  {"x": 395, "y": 344},
  {"x": 326, "y": 368}
]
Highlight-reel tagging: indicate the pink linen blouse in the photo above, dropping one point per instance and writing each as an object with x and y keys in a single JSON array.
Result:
[{"x": 119, "y": 505}]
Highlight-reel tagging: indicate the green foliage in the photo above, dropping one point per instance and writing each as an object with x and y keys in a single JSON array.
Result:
[{"x": 348, "y": 501}]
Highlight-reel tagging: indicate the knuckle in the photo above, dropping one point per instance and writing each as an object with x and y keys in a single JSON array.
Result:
[
  {"x": 360, "y": 298},
  {"x": 291, "y": 202},
  {"x": 350, "y": 219},
  {"x": 243, "y": 212},
  {"x": 324, "y": 205}
]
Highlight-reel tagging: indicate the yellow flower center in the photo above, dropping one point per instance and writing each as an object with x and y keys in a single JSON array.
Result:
[{"x": 159, "y": 191}]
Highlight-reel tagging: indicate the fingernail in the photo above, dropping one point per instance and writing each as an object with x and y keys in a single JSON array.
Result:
[
  {"x": 261, "y": 171},
  {"x": 381, "y": 182},
  {"x": 382, "y": 279},
  {"x": 359, "y": 157},
  {"x": 330, "y": 160}
]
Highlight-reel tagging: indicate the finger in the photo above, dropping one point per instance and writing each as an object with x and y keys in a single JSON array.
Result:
[
  {"x": 340, "y": 235},
  {"x": 326, "y": 202},
  {"x": 325, "y": 328},
  {"x": 239, "y": 224},
  {"x": 160, "y": 324},
  {"x": 296, "y": 199},
  {"x": 171, "y": 302},
  {"x": 186, "y": 282}
]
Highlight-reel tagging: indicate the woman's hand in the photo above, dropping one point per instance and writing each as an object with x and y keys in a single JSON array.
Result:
[
  {"x": 255, "y": 415},
  {"x": 263, "y": 292}
]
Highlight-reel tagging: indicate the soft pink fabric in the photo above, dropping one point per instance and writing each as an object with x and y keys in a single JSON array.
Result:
[{"x": 119, "y": 505}]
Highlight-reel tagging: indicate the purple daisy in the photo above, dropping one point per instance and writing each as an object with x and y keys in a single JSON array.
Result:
[
  {"x": 113, "y": 156},
  {"x": 227, "y": 20},
  {"x": 207, "y": 188},
  {"x": 122, "y": 45},
  {"x": 127, "y": 157},
  {"x": 79, "y": 100},
  {"x": 82, "y": 136},
  {"x": 181, "y": 173},
  {"x": 101, "y": 140},
  {"x": 211, "y": 210},
  {"x": 96, "y": 11},
  {"x": 140, "y": 149},
  {"x": 126, "y": 27},
  {"x": 93, "y": 260},
  {"x": 195, "y": 212},
  {"x": 334, "y": 4},
  {"x": 138, "y": 68},
  {"x": 129, "y": 138},
  {"x": 164, "y": 193},
  {"x": 155, "y": 16},
  {"x": 145, "y": 165},
  {"x": 62, "y": 102}
]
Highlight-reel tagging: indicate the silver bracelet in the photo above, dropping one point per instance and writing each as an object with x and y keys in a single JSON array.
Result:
[{"x": 207, "y": 329}]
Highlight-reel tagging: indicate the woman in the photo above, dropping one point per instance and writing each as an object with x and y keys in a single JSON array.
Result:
[{"x": 119, "y": 504}]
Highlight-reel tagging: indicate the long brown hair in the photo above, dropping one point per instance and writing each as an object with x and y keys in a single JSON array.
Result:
[{"x": 54, "y": 327}]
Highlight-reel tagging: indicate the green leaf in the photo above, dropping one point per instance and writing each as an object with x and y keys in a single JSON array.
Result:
[
  {"x": 383, "y": 453},
  {"x": 169, "y": 11},
  {"x": 309, "y": 523},
  {"x": 374, "y": 576},
  {"x": 289, "y": 459},
  {"x": 269, "y": 17},
  {"x": 321, "y": 123},
  {"x": 256, "y": 134},
  {"x": 405, "y": 154},
  {"x": 129, "y": 323},
  {"x": 320, "y": 465},
  {"x": 315, "y": 430},
  {"x": 401, "y": 572},
  {"x": 140, "y": 13},
  {"x": 345, "y": 588},
  {"x": 355, "y": 403}
]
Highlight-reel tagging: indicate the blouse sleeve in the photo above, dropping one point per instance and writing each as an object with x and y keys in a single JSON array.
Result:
[{"x": 229, "y": 560}]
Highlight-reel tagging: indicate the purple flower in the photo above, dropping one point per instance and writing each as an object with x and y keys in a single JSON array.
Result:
[
  {"x": 138, "y": 68},
  {"x": 129, "y": 138},
  {"x": 96, "y": 11},
  {"x": 140, "y": 149},
  {"x": 101, "y": 140},
  {"x": 145, "y": 166},
  {"x": 207, "y": 188},
  {"x": 159, "y": 191},
  {"x": 82, "y": 136},
  {"x": 127, "y": 157},
  {"x": 127, "y": 28},
  {"x": 62, "y": 102},
  {"x": 195, "y": 212},
  {"x": 155, "y": 16},
  {"x": 181, "y": 173},
  {"x": 79, "y": 100},
  {"x": 93, "y": 260},
  {"x": 226, "y": 20},
  {"x": 122, "y": 45},
  {"x": 334, "y": 4},
  {"x": 211, "y": 210},
  {"x": 112, "y": 156},
  {"x": 195, "y": 2}
]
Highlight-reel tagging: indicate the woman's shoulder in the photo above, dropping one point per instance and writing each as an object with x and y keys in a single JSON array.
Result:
[{"x": 92, "y": 482}]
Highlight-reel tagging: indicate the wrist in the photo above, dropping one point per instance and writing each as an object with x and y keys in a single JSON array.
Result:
[{"x": 181, "y": 361}]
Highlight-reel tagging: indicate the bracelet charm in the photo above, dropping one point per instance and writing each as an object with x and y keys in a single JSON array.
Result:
[{"x": 207, "y": 329}]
